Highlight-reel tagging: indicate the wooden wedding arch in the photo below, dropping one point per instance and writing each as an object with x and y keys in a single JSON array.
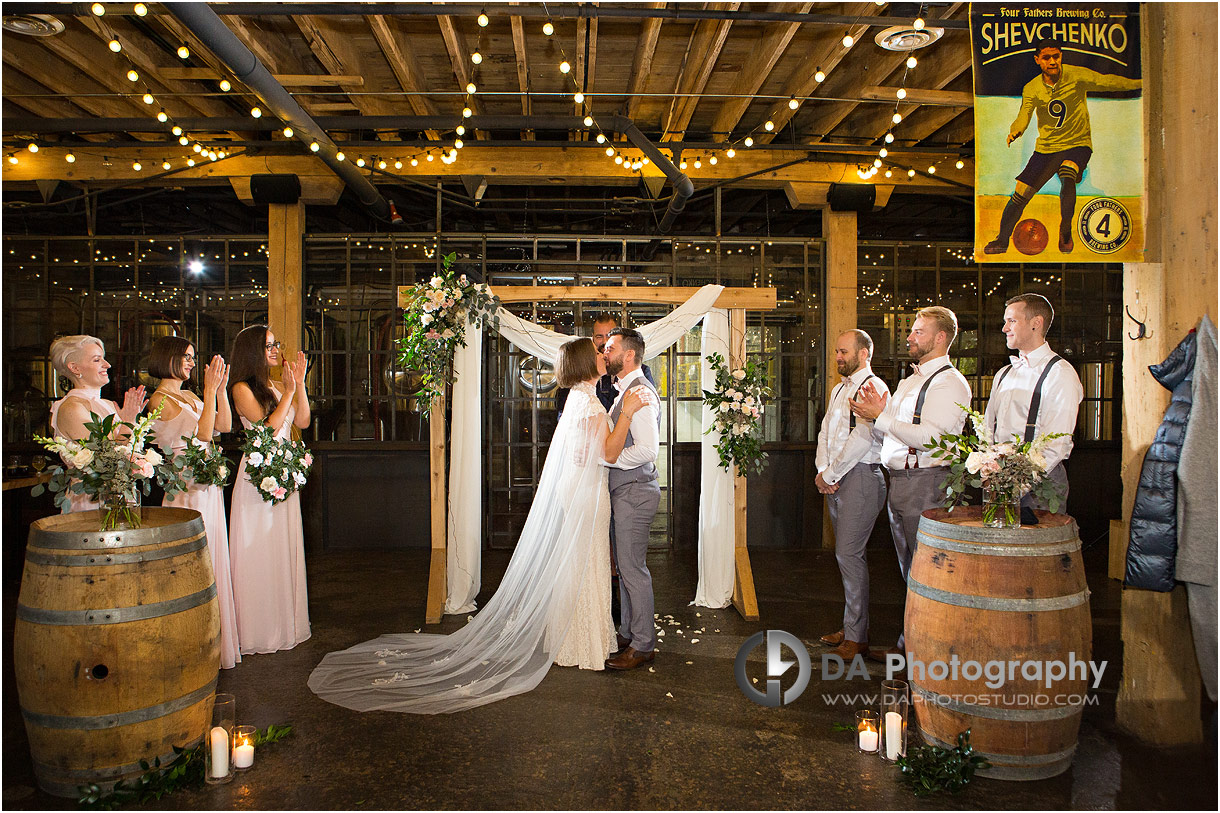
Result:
[{"x": 735, "y": 300}]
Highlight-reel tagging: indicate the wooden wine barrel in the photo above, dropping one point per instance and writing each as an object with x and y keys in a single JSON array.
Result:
[
  {"x": 982, "y": 594},
  {"x": 116, "y": 646}
]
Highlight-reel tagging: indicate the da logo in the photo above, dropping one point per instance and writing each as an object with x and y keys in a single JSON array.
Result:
[
  {"x": 776, "y": 667},
  {"x": 1105, "y": 225}
]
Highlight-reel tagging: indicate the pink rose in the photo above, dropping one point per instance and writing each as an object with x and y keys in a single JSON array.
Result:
[
  {"x": 307, "y": 459},
  {"x": 279, "y": 493},
  {"x": 432, "y": 334},
  {"x": 143, "y": 469}
]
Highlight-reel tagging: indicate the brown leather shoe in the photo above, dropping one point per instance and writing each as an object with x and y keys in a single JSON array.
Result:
[
  {"x": 629, "y": 658},
  {"x": 850, "y": 649},
  {"x": 832, "y": 638},
  {"x": 621, "y": 643}
]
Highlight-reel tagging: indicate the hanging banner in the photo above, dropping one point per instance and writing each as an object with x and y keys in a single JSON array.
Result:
[{"x": 1058, "y": 124}]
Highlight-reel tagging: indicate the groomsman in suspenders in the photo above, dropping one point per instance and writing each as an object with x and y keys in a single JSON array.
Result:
[
  {"x": 924, "y": 406},
  {"x": 1038, "y": 393},
  {"x": 849, "y": 474}
]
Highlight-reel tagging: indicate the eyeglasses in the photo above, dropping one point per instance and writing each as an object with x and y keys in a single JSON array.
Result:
[
  {"x": 274, "y": 346},
  {"x": 188, "y": 357}
]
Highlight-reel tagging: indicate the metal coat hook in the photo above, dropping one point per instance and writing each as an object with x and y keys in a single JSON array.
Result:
[{"x": 1144, "y": 333}]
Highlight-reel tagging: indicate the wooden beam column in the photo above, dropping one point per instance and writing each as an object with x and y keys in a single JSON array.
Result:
[
  {"x": 437, "y": 584},
  {"x": 1159, "y": 696},
  {"x": 838, "y": 309},
  {"x": 285, "y": 265},
  {"x": 744, "y": 598}
]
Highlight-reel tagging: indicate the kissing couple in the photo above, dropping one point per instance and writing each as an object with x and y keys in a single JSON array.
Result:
[{"x": 553, "y": 604}]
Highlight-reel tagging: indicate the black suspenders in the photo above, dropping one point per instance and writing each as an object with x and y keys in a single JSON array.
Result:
[
  {"x": 923, "y": 393},
  {"x": 853, "y": 415},
  {"x": 1035, "y": 403}
]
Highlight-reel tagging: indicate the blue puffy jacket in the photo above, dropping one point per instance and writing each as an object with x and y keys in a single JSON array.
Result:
[{"x": 1154, "y": 520}]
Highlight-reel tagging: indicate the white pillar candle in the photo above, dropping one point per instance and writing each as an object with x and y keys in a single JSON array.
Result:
[
  {"x": 243, "y": 755},
  {"x": 893, "y": 735},
  {"x": 220, "y": 752},
  {"x": 868, "y": 740}
]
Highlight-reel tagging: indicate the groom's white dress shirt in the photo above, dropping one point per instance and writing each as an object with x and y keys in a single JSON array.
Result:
[
  {"x": 840, "y": 447},
  {"x": 1008, "y": 406},
  {"x": 645, "y": 434}
]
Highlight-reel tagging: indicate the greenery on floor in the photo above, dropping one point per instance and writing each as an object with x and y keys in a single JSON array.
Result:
[{"x": 931, "y": 769}]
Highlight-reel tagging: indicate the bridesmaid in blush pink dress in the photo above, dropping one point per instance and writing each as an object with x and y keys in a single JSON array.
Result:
[
  {"x": 185, "y": 414},
  {"x": 83, "y": 360},
  {"x": 267, "y": 542}
]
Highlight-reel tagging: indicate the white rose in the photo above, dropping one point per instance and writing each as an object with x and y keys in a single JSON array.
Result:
[
  {"x": 447, "y": 334},
  {"x": 739, "y": 374},
  {"x": 749, "y": 400},
  {"x": 153, "y": 457},
  {"x": 222, "y": 472},
  {"x": 300, "y": 478},
  {"x": 724, "y": 407},
  {"x": 457, "y": 294},
  {"x": 257, "y": 443},
  {"x": 198, "y": 444},
  {"x": 256, "y": 459},
  {"x": 82, "y": 458},
  {"x": 427, "y": 319},
  {"x": 268, "y": 484},
  {"x": 437, "y": 282},
  {"x": 730, "y": 393},
  {"x": 973, "y": 462}
]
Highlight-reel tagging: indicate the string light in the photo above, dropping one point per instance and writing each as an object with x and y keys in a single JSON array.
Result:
[
  {"x": 712, "y": 160},
  {"x": 897, "y": 118},
  {"x": 609, "y": 152},
  {"x": 848, "y": 41},
  {"x": 381, "y": 164},
  {"x": 461, "y": 129},
  {"x": 467, "y": 112},
  {"x": 819, "y": 75},
  {"x": 618, "y": 159},
  {"x": 476, "y": 58},
  {"x": 340, "y": 156},
  {"x": 32, "y": 147},
  {"x": 115, "y": 46},
  {"x": 165, "y": 165},
  {"x": 314, "y": 147},
  {"x": 889, "y": 138},
  {"x": 256, "y": 112},
  {"x": 430, "y": 157},
  {"x": 162, "y": 116},
  {"x": 471, "y": 88},
  {"x": 148, "y": 98},
  {"x": 177, "y": 130},
  {"x": 918, "y": 24},
  {"x": 910, "y": 173},
  {"x": 588, "y": 121},
  {"x": 137, "y": 166},
  {"x": 889, "y": 173},
  {"x": 932, "y": 170},
  {"x": 198, "y": 147},
  {"x": 548, "y": 28},
  {"x": 902, "y": 93},
  {"x": 769, "y": 126},
  {"x": 360, "y": 162},
  {"x": 793, "y": 104},
  {"x": 414, "y": 162},
  {"x": 483, "y": 21},
  {"x": 183, "y": 140},
  {"x": 398, "y": 164},
  {"x": 682, "y": 164},
  {"x": 140, "y": 9},
  {"x": 564, "y": 67},
  {"x": 98, "y": 9},
  {"x": 458, "y": 143},
  {"x": 877, "y": 163},
  {"x": 226, "y": 85},
  {"x": 749, "y": 142},
  {"x": 912, "y": 62},
  {"x": 579, "y": 98},
  {"x": 601, "y": 138},
  {"x": 133, "y": 76},
  {"x": 190, "y": 162},
  {"x": 730, "y": 152},
  {"x": 184, "y": 52},
  {"x": 12, "y": 159},
  {"x": 288, "y": 132},
  {"x": 70, "y": 158},
  {"x": 698, "y": 164}
]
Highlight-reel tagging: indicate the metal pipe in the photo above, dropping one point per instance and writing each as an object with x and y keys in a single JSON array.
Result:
[{"x": 209, "y": 28}]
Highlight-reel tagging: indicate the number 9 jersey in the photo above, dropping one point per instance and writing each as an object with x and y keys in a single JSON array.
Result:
[{"x": 1063, "y": 114}]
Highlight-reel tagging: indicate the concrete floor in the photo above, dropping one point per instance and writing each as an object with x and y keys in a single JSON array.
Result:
[{"x": 682, "y": 736}]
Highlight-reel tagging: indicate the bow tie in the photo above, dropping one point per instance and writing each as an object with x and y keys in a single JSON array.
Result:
[
  {"x": 614, "y": 382},
  {"x": 916, "y": 369}
]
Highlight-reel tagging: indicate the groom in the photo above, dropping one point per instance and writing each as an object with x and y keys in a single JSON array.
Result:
[{"x": 634, "y": 497}]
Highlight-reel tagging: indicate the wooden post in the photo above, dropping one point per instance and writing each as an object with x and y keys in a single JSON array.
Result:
[
  {"x": 744, "y": 598},
  {"x": 285, "y": 264},
  {"x": 437, "y": 586},
  {"x": 839, "y": 310},
  {"x": 1159, "y": 696}
]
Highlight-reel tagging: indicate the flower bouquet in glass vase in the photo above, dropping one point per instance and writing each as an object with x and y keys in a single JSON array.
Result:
[
  {"x": 1006, "y": 471},
  {"x": 112, "y": 468}
]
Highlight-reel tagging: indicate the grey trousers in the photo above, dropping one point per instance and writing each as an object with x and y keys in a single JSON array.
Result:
[
  {"x": 633, "y": 506},
  {"x": 1059, "y": 476},
  {"x": 853, "y": 511},
  {"x": 912, "y": 491}
]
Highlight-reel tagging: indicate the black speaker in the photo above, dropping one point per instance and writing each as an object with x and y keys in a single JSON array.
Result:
[
  {"x": 275, "y": 188},
  {"x": 851, "y": 197}
]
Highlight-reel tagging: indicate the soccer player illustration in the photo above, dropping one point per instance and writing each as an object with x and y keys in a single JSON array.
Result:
[{"x": 1058, "y": 95}]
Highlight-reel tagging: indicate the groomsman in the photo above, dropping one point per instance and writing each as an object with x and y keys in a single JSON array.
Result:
[
  {"x": 1038, "y": 393},
  {"x": 924, "y": 406},
  {"x": 849, "y": 474}
]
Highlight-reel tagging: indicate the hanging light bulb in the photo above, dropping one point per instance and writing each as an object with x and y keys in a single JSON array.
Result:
[
  {"x": 360, "y": 162},
  {"x": 115, "y": 46},
  {"x": 314, "y": 146},
  {"x": 698, "y": 164},
  {"x": 749, "y": 142},
  {"x": 461, "y": 129},
  {"x": 414, "y": 162},
  {"x": 910, "y": 173},
  {"x": 32, "y": 147},
  {"x": 932, "y": 170},
  {"x": 912, "y": 61},
  {"x": 70, "y": 158},
  {"x": 793, "y": 104},
  {"x": 877, "y": 162},
  {"x": 889, "y": 173},
  {"x": 183, "y": 140},
  {"x": 148, "y": 98},
  {"x": 601, "y": 138},
  {"x": 476, "y": 58},
  {"x": 12, "y": 159},
  {"x": 98, "y": 9},
  {"x": 288, "y": 131},
  {"x": 162, "y": 116},
  {"x": 618, "y": 159},
  {"x": 212, "y": 156},
  {"x": 430, "y": 157},
  {"x": 177, "y": 130},
  {"x": 184, "y": 52},
  {"x": 256, "y": 112},
  {"x": 819, "y": 75},
  {"x": 897, "y": 118},
  {"x": 588, "y": 121},
  {"x": 136, "y": 165},
  {"x": 883, "y": 152},
  {"x": 548, "y": 28},
  {"x": 483, "y": 21},
  {"x": 133, "y": 76},
  {"x": 381, "y": 164},
  {"x": 197, "y": 147},
  {"x": 960, "y": 164},
  {"x": 769, "y": 126},
  {"x": 564, "y": 67},
  {"x": 467, "y": 112},
  {"x": 226, "y": 85},
  {"x": 644, "y": 160},
  {"x": 682, "y": 164},
  {"x": 730, "y": 152},
  {"x": 471, "y": 88},
  {"x": 902, "y": 93},
  {"x": 889, "y": 138},
  {"x": 609, "y": 152},
  {"x": 712, "y": 160},
  {"x": 918, "y": 24},
  {"x": 140, "y": 9},
  {"x": 340, "y": 156},
  {"x": 165, "y": 165},
  {"x": 190, "y": 162},
  {"x": 398, "y": 165},
  {"x": 458, "y": 143},
  {"x": 848, "y": 41}
]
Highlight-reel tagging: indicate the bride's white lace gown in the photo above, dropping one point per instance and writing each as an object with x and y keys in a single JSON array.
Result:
[{"x": 553, "y": 604}]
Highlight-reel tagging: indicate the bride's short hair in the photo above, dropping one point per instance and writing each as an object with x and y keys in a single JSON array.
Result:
[{"x": 577, "y": 362}]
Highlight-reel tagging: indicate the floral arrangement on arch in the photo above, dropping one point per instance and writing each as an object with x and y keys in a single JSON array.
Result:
[
  {"x": 205, "y": 462},
  {"x": 276, "y": 467},
  {"x": 737, "y": 402},
  {"x": 436, "y": 316},
  {"x": 111, "y": 471},
  {"x": 1005, "y": 470}
]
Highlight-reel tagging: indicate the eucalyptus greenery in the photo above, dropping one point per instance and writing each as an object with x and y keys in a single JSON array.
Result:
[
  {"x": 185, "y": 771},
  {"x": 931, "y": 769},
  {"x": 736, "y": 403}
]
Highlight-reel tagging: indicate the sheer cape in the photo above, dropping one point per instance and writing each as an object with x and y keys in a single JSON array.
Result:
[{"x": 509, "y": 646}]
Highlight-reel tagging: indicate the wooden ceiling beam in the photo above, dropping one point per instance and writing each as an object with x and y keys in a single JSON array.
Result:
[
  {"x": 22, "y": 90},
  {"x": 402, "y": 62},
  {"x": 874, "y": 122},
  {"x": 285, "y": 79},
  {"x": 523, "y": 71},
  {"x": 641, "y": 65},
  {"x": 704, "y": 48},
  {"x": 922, "y": 96},
  {"x": 772, "y": 43},
  {"x": 459, "y": 57},
  {"x": 254, "y": 42}
]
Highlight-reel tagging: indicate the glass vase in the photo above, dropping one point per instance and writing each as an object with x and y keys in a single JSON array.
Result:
[
  {"x": 1001, "y": 509},
  {"x": 895, "y": 709},
  {"x": 218, "y": 740},
  {"x": 120, "y": 509}
]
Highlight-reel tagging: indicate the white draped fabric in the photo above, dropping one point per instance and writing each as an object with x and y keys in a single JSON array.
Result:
[
  {"x": 716, "y": 541},
  {"x": 465, "y": 469}
]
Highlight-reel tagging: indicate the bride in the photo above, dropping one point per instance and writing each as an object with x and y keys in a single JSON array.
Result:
[{"x": 553, "y": 604}]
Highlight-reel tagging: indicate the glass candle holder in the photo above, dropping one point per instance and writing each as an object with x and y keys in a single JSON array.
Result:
[
  {"x": 895, "y": 709},
  {"x": 243, "y": 747},
  {"x": 218, "y": 740},
  {"x": 867, "y": 731}
]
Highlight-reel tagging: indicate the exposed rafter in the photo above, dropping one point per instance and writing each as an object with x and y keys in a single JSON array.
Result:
[
  {"x": 408, "y": 73},
  {"x": 701, "y": 54}
]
